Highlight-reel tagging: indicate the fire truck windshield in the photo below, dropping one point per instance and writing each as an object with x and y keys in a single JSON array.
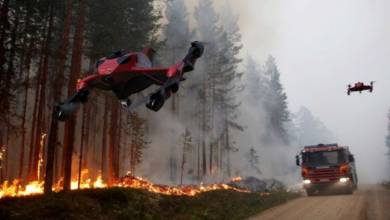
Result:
[{"x": 323, "y": 158}]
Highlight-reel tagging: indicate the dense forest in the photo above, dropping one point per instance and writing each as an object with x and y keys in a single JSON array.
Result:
[{"x": 46, "y": 46}]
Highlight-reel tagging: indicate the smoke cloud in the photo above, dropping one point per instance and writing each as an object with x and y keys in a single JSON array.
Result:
[{"x": 320, "y": 47}]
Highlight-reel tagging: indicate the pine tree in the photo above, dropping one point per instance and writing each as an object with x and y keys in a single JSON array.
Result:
[
  {"x": 229, "y": 83},
  {"x": 138, "y": 142},
  {"x": 177, "y": 40},
  {"x": 219, "y": 85},
  {"x": 5, "y": 79},
  {"x": 114, "y": 144},
  {"x": 34, "y": 56},
  {"x": 311, "y": 130},
  {"x": 29, "y": 30},
  {"x": 207, "y": 27},
  {"x": 103, "y": 160},
  {"x": 44, "y": 70},
  {"x": 177, "y": 31},
  {"x": 187, "y": 147},
  {"x": 75, "y": 70},
  {"x": 56, "y": 92},
  {"x": 275, "y": 104},
  {"x": 133, "y": 27},
  {"x": 209, "y": 30},
  {"x": 253, "y": 161},
  {"x": 256, "y": 83}
]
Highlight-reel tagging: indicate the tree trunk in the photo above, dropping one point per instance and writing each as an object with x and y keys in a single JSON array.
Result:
[
  {"x": 228, "y": 149},
  {"x": 42, "y": 98},
  {"x": 74, "y": 75},
  {"x": 82, "y": 140},
  {"x": 32, "y": 132},
  {"x": 95, "y": 130},
  {"x": 52, "y": 156},
  {"x": 112, "y": 160},
  {"x": 204, "y": 165},
  {"x": 183, "y": 161},
  {"x": 34, "y": 124},
  {"x": 118, "y": 143},
  {"x": 104, "y": 138},
  {"x": 86, "y": 139},
  {"x": 51, "y": 151},
  {"x": 63, "y": 51},
  {"x": 211, "y": 154},
  {"x": 4, "y": 24},
  {"x": 24, "y": 114}
]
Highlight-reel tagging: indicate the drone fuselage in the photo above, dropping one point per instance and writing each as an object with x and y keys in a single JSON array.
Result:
[{"x": 360, "y": 87}]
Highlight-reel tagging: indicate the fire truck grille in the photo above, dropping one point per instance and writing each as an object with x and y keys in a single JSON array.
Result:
[{"x": 324, "y": 175}]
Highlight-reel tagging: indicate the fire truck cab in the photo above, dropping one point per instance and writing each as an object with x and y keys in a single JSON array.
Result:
[{"x": 327, "y": 167}]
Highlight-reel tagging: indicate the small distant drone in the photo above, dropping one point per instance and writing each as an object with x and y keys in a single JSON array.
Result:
[{"x": 359, "y": 87}]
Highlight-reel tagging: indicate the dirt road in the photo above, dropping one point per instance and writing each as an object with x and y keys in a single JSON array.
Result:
[{"x": 368, "y": 203}]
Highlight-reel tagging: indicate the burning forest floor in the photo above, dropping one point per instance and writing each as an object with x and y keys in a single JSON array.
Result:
[{"x": 129, "y": 203}]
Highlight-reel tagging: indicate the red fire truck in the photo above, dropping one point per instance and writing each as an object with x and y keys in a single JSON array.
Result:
[{"x": 327, "y": 167}]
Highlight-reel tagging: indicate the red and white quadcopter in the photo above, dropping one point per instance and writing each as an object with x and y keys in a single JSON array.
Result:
[
  {"x": 359, "y": 87},
  {"x": 130, "y": 73}
]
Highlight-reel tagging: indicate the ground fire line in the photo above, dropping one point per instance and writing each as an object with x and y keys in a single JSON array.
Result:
[{"x": 17, "y": 189}]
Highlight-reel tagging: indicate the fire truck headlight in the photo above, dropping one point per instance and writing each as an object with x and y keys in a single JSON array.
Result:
[
  {"x": 344, "y": 179},
  {"x": 306, "y": 182}
]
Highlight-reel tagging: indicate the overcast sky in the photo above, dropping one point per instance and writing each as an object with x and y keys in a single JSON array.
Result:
[{"x": 321, "y": 47}]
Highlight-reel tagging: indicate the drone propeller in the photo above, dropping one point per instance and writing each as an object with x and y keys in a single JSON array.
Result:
[{"x": 181, "y": 47}]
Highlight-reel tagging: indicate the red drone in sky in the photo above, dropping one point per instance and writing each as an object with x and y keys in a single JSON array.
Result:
[
  {"x": 126, "y": 74},
  {"x": 359, "y": 87}
]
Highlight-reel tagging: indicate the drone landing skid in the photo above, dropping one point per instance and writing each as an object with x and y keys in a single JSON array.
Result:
[
  {"x": 64, "y": 110},
  {"x": 155, "y": 100}
]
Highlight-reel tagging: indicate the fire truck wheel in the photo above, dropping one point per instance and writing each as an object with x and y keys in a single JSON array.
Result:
[
  {"x": 348, "y": 190},
  {"x": 310, "y": 192}
]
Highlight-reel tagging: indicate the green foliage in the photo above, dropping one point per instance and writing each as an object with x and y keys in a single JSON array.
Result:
[
  {"x": 23, "y": 28},
  {"x": 220, "y": 80},
  {"x": 119, "y": 25},
  {"x": 266, "y": 92},
  {"x": 276, "y": 103},
  {"x": 119, "y": 203}
]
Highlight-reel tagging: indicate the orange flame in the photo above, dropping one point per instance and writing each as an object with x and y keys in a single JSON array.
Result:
[
  {"x": 16, "y": 189},
  {"x": 41, "y": 152},
  {"x": 236, "y": 179},
  {"x": 2, "y": 155}
]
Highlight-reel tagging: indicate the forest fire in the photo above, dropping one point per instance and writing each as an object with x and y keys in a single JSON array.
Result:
[
  {"x": 236, "y": 179},
  {"x": 187, "y": 190},
  {"x": 17, "y": 189}
]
